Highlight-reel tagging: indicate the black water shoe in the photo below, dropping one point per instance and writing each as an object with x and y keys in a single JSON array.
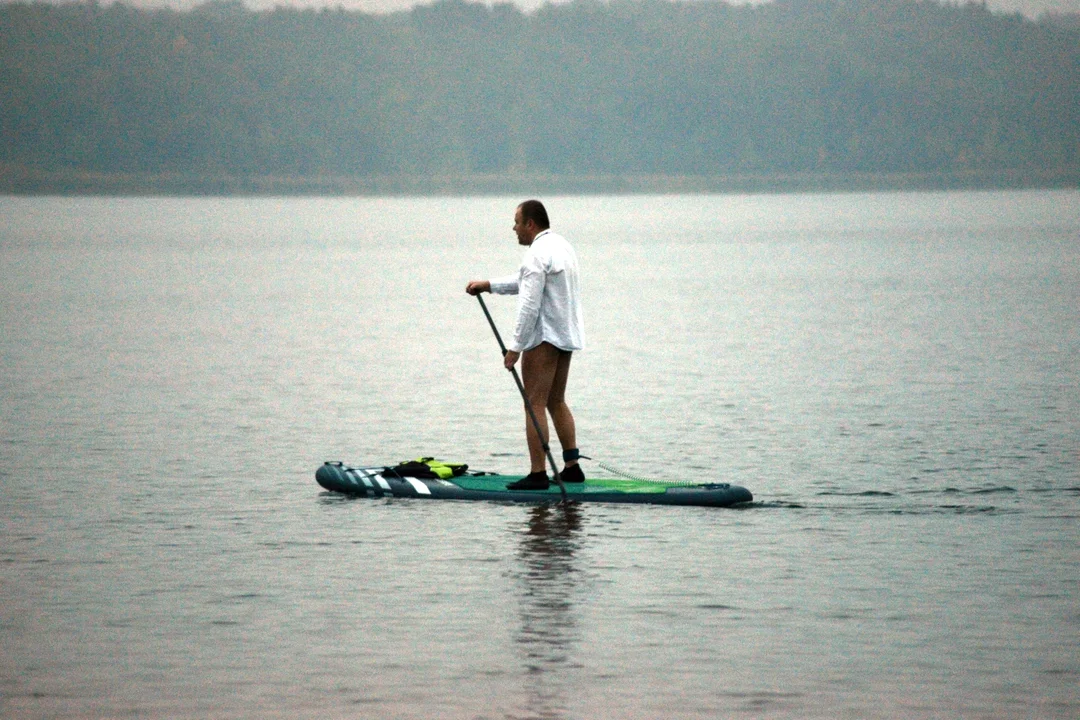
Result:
[
  {"x": 532, "y": 481},
  {"x": 572, "y": 474}
]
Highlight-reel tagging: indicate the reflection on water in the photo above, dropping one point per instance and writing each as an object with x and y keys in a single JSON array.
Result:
[{"x": 549, "y": 580}]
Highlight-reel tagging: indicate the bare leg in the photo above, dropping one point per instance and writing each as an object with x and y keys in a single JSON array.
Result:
[
  {"x": 539, "y": 367},
  {"x": 561, "y": 416}
]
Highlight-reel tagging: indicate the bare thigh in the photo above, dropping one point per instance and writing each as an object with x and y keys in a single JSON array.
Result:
[
  {"x": 557, "y": 394},
  {"x": 544, "y": 371}
]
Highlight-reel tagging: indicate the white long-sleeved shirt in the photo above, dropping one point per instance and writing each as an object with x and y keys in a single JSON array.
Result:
[{"x": 549, "y": 301}]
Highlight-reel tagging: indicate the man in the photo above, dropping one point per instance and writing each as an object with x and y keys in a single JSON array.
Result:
[{"x": 548, "y": 330}]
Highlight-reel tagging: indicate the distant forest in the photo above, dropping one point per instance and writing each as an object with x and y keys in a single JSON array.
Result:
[{"x": 473, "y": 93}]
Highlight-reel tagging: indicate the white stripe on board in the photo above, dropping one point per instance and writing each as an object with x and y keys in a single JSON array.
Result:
[
  {"x": 382, "y": 482},
  {"x": 420, "y": 487}
]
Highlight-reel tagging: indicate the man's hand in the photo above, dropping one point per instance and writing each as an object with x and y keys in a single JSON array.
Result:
[
  {"x": 476, "y": 287},
  {"x": 510, "y": 359}
]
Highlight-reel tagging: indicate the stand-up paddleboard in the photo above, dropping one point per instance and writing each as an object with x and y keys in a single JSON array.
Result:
[{"x": 378, "y": 482}]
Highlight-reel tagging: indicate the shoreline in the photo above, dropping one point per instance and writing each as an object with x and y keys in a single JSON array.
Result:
[{"x": 21, "y": 181}]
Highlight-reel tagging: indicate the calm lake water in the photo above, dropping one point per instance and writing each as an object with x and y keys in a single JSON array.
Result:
[{"x": 894, "y": 376}]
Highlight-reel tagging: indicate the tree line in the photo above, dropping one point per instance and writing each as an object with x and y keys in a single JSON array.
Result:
[{"x": 626, "y": 87}]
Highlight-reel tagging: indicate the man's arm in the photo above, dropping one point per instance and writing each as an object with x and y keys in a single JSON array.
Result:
[{"x": 530, "y": 295}]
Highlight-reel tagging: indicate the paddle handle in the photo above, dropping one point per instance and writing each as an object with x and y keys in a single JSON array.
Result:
[{"x": 528, "y": 405}]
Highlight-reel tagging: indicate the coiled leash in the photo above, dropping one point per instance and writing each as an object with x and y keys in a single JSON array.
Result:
[{"x": 575, "y": 455}]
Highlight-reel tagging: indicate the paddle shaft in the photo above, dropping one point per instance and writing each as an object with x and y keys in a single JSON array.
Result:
[{"x": 528, "y": 405}]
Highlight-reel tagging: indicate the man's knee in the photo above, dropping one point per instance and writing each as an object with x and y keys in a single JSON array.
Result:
[{"x": 557, "y": 405}]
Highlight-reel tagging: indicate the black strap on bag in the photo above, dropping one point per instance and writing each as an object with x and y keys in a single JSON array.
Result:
[
  {"x": 423, "y": 468},
  {"x": 413, "y": 469}
]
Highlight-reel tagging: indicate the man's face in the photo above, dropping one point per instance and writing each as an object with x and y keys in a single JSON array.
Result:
[{"x": 525, "y": 231}]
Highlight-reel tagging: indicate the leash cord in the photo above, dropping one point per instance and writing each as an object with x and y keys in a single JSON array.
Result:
[{"x": 636, "y": 478}]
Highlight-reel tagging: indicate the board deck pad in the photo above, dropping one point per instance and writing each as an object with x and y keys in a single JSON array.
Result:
[{"x": 377, "y": 482}]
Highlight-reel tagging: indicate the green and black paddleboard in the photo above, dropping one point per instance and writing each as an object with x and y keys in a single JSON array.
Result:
[{"x": 380, "y": 482}]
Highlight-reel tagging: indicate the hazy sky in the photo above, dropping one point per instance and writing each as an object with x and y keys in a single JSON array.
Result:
[{"x": 1032, "y": 8}]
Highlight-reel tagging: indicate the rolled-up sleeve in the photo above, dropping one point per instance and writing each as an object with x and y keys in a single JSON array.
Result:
[{"x": 506, "y": 285}]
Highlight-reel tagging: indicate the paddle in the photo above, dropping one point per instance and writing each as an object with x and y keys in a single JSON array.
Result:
[{"x": 528, "y": 405}]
